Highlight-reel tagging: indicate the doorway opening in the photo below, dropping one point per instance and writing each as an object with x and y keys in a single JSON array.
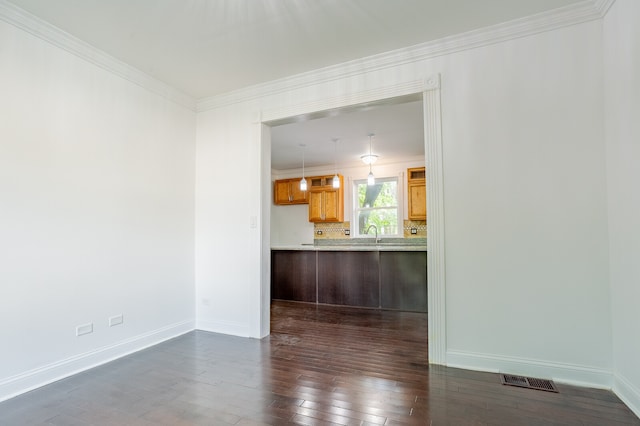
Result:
[{"x": 429, "y": 98}]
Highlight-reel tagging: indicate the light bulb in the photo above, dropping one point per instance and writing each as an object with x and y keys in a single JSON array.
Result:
[
  {"x": 303, "y": 184},
  {"x": 371, "y": 180},
  {"x": 336, "y": 181}
]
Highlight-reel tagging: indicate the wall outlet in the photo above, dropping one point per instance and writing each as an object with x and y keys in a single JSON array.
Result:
[
  {"x": 414, "y": 231},
  {"x": 116, "y": 320},
  {"x": 318, "y": 232},
  {"x": 84, "y": 329},
  {"x": 347, "y": 232}
]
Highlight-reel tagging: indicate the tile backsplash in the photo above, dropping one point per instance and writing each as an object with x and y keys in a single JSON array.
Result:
[
  {"x": 417, "y": 226},
  {"x": 341, "y": 230},
  {"x": 332, "y": 231}
]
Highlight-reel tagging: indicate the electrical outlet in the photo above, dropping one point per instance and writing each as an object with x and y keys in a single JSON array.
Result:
[
  {"x": 414, "y": 231},
  {"x": 347, "y": 232},
  {"x": 84, "y": 329},
  {"x": 318, "y": 232},
  {"x": 116, "y": 320}
]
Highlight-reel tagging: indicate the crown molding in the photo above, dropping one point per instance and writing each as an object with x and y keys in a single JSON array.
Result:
[
  {"x": 37, "y": 27},
  {"x": 584, "y": 11},
  {"x": 603, "y": 6}
]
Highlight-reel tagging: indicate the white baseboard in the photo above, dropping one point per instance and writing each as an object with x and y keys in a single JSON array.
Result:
[
  {"x": 562, "y": 373},
  {"x": 32, "y": 379},
  {"x": 628, "y": 393},
  {"x": 224, "y": 327}
]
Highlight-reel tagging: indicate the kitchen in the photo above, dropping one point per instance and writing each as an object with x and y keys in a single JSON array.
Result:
[{"x": 369, "y": 250}]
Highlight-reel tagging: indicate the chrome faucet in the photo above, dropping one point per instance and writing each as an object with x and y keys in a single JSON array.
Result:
[{"x": 376, "y": 229}]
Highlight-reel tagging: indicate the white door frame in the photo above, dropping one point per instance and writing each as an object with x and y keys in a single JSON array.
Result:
[{"x": 429, "y": 88}]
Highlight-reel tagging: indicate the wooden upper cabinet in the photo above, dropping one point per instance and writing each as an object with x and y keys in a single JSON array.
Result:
[
  {"x": 287, "y": 191},
  {"x": 417, "y": 193},
  {"x": 326, "y": 203}
]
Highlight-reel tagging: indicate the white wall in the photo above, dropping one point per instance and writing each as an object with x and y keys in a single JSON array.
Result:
[
  {"x": 96, "y": 213},
  {"x": 228, "y": 225},
  {"x": 622, "y": 88},
  {"x": 525, "y": 202},
  {"x": 290, "y": 224},
  {"x": 525, "y": 206}
]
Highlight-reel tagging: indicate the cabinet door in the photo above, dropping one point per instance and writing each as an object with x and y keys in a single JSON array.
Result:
[
  {"x": 349, "y": 278},
  {"x": 316, "y": 205},
  {"x": 281, "y": 192},
  {"x": 293, "y": 275},
  {"x": 417, "y": 201},
  {"x": 403, "y": 280},
  {"x": 332, "y": 206},
  {"x": 297, "y": 196}
]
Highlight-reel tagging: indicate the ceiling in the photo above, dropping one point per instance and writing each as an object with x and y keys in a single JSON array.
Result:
[
  {"x": 397, "y": 128},
  {"x": 208, "y": 47},
  {"x": 205, "y": 48}
]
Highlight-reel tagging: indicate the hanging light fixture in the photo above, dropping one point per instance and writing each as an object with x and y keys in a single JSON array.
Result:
[
  {"x": 371, "y": 180},
  {"x": 369, "y": 158},
  {"x": 303, "y": 181},
  {"x": 336, "y": 179}
]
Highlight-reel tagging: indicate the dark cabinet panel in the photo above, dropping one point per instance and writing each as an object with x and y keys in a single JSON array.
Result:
[
  {"x": 348, "y": 278},
  {"x": 293, "y": 275},
  {"x": 403, "y": 280}
]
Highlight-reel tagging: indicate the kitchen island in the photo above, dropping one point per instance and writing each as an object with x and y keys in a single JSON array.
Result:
[{"x": 382, "y": 276}]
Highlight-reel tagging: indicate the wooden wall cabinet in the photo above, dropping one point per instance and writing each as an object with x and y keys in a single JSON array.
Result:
[
  {"x": 417, "y": 193},
  {"x": 287, "y": 191},
  {"x": 326, "y": 203}
]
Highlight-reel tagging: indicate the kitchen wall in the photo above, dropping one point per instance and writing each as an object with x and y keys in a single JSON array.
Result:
[
  {"x": 622, "y": 100},
  {"x": 96, "y": 213},
  {"x": 525, "y": 209},
  {"x": 290, "y": 224}
]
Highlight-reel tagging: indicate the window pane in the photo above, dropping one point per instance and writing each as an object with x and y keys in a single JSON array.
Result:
[
  {"x": 386, "y": 220},
  {"x": 383, "y": 194}
]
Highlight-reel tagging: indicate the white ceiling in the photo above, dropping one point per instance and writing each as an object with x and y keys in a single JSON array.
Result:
[
  {"x": 397, "y": 127},
  {"x": 209, "y": 47}
]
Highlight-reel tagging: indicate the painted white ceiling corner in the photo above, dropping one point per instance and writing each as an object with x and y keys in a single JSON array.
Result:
[{"x": 205, "y": 48}]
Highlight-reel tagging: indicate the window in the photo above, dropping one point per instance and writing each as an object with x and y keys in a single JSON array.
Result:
[{"x": 376, "y": 205}]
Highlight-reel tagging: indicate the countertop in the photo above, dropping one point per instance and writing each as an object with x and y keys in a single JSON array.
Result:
[{"x": 351, "y": 247}]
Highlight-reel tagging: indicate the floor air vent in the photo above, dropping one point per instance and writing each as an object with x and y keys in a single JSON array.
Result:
[{"x": 528, "y": 382}]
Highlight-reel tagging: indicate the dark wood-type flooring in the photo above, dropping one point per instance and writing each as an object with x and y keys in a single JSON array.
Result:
[{"x": 321, "y": 365}]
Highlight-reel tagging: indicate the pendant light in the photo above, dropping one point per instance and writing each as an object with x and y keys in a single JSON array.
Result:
[
  {"x": 371, "y": 180},
  {"x": 336, "y": 179},
  {"x": 303, "y": 181}
]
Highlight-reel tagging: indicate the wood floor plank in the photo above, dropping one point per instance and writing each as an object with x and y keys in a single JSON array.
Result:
[{"x": 321, "y": 365}]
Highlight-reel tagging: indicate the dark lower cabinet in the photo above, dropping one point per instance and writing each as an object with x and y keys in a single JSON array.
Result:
[
  {"x": 293, "y": 275},
  {"x": 348, "y": 278},
  {"x": 373, "y": 279},
  {"x": 403, "y": 280}
]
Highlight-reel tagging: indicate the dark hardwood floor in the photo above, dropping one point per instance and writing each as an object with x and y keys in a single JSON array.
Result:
[{"x": 322, "y": 365}]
